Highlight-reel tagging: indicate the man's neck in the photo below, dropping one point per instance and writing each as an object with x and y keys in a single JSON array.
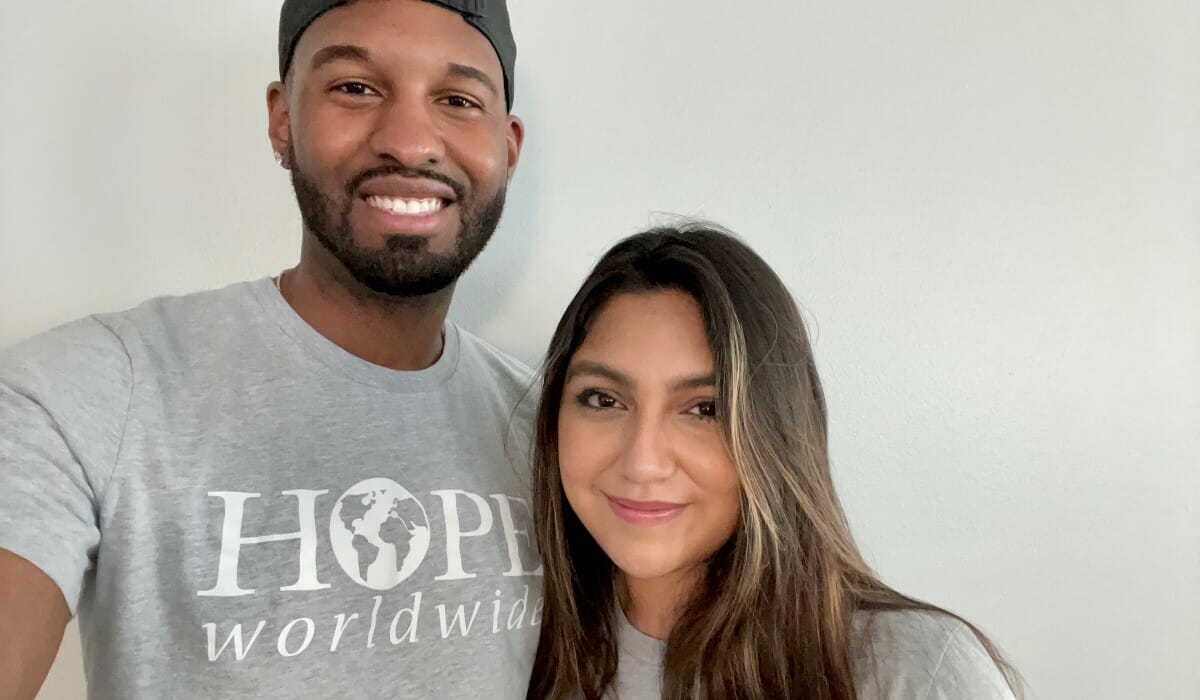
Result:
[{"x": 401, "y": 334}]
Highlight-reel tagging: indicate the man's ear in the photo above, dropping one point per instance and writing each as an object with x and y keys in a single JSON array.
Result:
[
  {"x": 515, "y": 138},
  {"x": 279, "y": 129}
]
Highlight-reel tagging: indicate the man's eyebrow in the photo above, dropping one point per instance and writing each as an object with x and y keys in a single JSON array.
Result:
[
  {"x": 337, "y": 52},
  {"x": 471, "y": 73},
  {"x": 584, "y": 367}
]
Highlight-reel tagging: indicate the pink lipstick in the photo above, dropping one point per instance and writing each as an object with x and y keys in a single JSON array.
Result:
[{"x": 644, "y": 512}]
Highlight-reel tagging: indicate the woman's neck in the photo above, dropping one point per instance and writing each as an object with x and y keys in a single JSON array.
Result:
[{"x": 652, "y": 605}]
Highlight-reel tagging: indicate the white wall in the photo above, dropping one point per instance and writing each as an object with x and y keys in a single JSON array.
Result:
[{"x": 988, "y": 210}]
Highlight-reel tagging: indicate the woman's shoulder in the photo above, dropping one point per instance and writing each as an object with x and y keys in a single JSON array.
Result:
[{"x": 923, "y": 655}]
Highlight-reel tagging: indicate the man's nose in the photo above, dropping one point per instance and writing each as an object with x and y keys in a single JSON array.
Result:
[{"x": 406, "y": 131}]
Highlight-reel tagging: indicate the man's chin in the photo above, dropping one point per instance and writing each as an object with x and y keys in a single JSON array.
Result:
[
  {"x": 408, "y": 286},
  {"x": 383, "y": 243}
]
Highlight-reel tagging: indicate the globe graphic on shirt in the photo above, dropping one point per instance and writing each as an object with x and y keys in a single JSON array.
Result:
[{"x": 379, "y": 533}]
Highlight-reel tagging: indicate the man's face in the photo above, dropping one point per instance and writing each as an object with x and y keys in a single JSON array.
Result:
[{"x": 394, "y": 124}]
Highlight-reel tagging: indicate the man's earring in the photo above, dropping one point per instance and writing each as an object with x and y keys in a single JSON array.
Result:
[{"x": 280, "y": 160}]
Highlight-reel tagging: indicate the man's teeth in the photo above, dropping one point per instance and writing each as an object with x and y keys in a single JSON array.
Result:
[{"x": 400, "y": 205}]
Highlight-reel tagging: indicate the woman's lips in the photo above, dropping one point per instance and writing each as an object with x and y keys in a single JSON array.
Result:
[{"x": 644, "y": 512}]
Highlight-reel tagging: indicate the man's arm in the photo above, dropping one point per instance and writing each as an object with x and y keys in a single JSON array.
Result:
[
  {"x": 33, "y": 615},
  {"x": 64, "y": 397}
]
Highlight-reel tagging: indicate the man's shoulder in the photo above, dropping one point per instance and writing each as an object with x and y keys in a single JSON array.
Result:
[
  {"x": 83, "y": 350},
  {"x": 480, "y": 356},
  {"x": 104, "y": 346},
  {"x": 203, "y": 312},
  {"x": 507, "y": 386}
]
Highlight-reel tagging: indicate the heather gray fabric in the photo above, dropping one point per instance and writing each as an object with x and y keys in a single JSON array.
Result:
[
  {"x": 900, "y": 656},
  {"x": 490, "y": 17},
  {"x": 238, "y": 508}
]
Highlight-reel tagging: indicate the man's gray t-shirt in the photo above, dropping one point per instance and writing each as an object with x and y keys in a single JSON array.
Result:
[
  {"x": 897, "y": 656},
  {"x": 236, "y": 507}
]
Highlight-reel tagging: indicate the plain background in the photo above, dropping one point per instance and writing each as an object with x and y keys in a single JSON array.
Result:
[{"x": 987, "y": 210}]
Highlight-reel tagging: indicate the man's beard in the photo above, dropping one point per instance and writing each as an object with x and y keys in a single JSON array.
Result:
[{"x": 404, "y": 267}]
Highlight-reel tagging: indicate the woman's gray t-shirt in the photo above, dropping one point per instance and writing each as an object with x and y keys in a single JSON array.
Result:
[{"x": 899, "y": 656}]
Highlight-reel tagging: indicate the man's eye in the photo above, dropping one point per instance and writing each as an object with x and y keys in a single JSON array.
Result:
[
  {"x": 353, "y": 88},
  {"x": 460, "y": 102},
  {"x": 597, "y": 400},
  {"x": 704, "y": 409}
]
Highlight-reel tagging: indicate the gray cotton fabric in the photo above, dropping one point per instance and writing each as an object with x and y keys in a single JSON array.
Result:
[
  {"x": 235, "y": 507},
  {"x": 899, "y": 656}
]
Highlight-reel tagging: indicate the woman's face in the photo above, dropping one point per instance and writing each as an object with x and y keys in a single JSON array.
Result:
[{"x": 643, "y": 460}]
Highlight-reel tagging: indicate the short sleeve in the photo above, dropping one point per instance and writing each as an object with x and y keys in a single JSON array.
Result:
[
  {"x": 64, "y": 396},
  {"x": 918, "y": 655},
  {"x": 965, "y": 670}
]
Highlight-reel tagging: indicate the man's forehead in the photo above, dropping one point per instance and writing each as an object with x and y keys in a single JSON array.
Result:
[
  {"x": 472, "y": 33},
  {"x": 427, "y": 35}
]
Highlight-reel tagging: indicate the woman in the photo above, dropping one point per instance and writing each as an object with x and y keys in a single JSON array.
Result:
[{"x": 693, "y": 543}]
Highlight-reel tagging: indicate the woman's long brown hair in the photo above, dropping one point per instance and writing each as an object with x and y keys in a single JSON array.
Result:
[{"x": 773, "y": 616}]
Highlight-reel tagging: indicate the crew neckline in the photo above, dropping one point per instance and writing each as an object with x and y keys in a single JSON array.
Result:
[
  {"x": 351, "y": 366},
  {"x": 639, "y": 645}
]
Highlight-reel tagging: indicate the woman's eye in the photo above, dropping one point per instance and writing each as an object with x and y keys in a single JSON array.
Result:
[
  {"x": 597, "y": 400},
  {"x": 704, "y": 409}
]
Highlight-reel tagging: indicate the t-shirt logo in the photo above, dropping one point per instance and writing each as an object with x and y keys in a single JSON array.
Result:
[{"x": 379, "y": 533}]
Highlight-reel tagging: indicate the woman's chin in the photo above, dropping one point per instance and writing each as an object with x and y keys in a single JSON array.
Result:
[{"x": 647, "y": 566}]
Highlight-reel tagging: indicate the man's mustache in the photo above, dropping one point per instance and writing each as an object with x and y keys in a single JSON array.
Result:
[{"x": 402, "y": 170}]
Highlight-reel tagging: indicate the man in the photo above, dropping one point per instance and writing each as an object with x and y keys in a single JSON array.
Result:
[{"x": 297, "y": 487}]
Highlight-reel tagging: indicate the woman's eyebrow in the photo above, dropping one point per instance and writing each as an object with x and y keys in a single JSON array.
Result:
[
  {"x": 596, "y": 369},
  {"x": 696, "y": 381}
]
